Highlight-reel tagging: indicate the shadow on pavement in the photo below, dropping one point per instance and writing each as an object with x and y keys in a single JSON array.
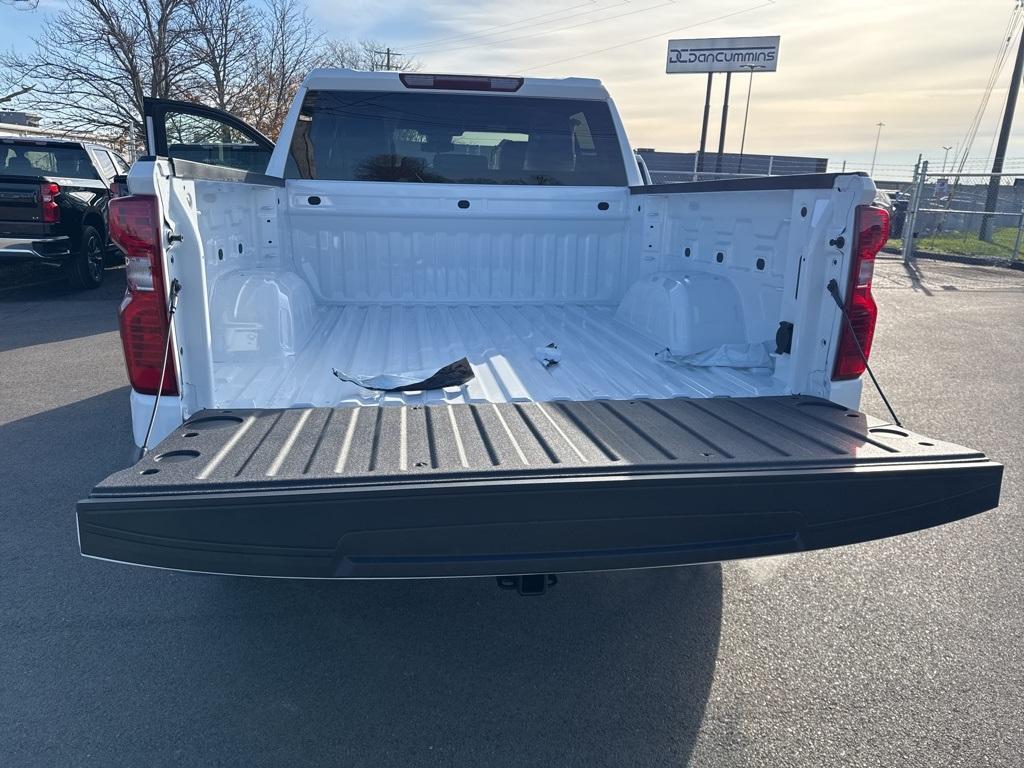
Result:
[
  {"x": 29, "y": 316},
  {"x": 916, "y": 281},
  {"x": 478, "y": 676},
  {"x": 135, "y": 666}
]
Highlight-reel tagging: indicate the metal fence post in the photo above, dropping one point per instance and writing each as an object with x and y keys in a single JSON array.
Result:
[
  {"x": 1020, "y": 231},
  {"x": 910, "y": 221}
]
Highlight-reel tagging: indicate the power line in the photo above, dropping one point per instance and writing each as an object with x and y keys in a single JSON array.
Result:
[
  {"x": 652, "y": 37},
  {"x": 1006, "y": 52},
  {"x": 484, "y": 32},
  {"x": 997, "y": 66},
  {"x": 990, "y": 87},
  {"x": 560, "y": 29},
  {"x": 972, "y": 129}
]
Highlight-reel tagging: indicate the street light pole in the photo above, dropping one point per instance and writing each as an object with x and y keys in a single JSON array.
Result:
[
  {"x": 874, "y": 154},
  {"x": 746, "y": 113},
  {"x": 944, "y": 158}
]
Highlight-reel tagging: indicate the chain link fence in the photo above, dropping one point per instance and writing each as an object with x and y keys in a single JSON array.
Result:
[{"x": 978, "y": 215}]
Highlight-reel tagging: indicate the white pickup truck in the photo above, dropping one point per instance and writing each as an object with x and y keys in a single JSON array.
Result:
[{"x": 444, "y": 328}]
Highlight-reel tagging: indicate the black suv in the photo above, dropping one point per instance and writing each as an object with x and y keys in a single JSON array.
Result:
[{"x": 53, "y": 204}]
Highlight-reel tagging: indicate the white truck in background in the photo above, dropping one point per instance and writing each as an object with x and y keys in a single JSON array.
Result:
[{"x": 443, "y": 328}]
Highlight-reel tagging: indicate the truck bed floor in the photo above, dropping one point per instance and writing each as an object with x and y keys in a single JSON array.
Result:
[{"x": 602, "y": 358}]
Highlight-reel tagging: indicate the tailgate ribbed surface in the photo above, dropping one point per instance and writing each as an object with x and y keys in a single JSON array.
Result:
[{"x": 359, "y": 445}]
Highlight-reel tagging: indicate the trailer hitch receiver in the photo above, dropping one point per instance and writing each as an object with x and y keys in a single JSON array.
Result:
[{"x": 529, "y": 584}]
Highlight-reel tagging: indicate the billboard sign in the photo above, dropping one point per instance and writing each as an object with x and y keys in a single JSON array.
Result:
[{"x": 723, "y": 54}]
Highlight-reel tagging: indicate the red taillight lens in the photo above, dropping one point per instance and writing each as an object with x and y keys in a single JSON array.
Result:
[
  {"x": 872, "y": 230},
  {"x": 135, "y": 229},
  {"x": 48, "y": 192}
]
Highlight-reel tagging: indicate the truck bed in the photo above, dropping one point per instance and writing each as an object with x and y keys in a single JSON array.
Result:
[
  {"x": 602, "y": 358},
  {"x": 446, "y": 490}
]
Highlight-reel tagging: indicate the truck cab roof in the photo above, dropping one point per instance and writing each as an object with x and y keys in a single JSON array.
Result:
[
  {"x": 54, "y": 141},
  {"x": 49, "y": 140},
  {"x": 338, "y": 79}
]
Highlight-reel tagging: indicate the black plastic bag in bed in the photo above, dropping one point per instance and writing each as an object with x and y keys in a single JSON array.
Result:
[{"x": 452, "y": 375}]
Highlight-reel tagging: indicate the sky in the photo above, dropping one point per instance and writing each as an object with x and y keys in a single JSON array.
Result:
[{"x": 919, "y": 66}]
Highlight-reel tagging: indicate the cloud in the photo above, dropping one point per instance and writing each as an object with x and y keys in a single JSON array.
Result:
[{"x": 919, "y": 66}]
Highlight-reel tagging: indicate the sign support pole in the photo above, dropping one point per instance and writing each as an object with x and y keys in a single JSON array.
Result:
[
  {"x": 746, "y": 114},
  {"x": 725, "y": 121},
  {"x": 704, "y": 126},
  {"x": 722, "y": 54}
]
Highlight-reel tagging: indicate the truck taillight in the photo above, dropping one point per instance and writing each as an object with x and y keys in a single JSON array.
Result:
[
  {"x": 461, "y": 82},
  {"x": 119, "y": 186},
  {"x": 871, "y": 232},
  {"x": 135, "y": 229},
  {"x": 48, "y": 192}
]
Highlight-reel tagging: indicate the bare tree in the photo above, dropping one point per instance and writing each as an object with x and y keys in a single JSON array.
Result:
[
  {"x": 12, "y": 95},
  {"x": 97, "y": 59},
  {"x": 11, "y": 85},
  {"x": 369, "y": 55},
  {"x": 289, "y": 49},
  {"x": 223, "y": 37}
]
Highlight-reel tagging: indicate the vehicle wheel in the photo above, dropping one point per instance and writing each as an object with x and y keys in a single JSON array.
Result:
[{"x": 86, "y": 268}]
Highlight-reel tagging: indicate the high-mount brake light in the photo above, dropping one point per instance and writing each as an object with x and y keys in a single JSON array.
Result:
[
  {"x": 871, "y": 232},
  {"x": 48, "y": 192},
  {"x": 461, "y": 82},
  {"x": 135, "y": 229}
]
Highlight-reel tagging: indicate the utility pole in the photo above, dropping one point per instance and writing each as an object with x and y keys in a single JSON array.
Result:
[
  {"x": 725, "y": 121},
  {"x": 387, "y": 53},
  {"x": 874, "y": 154},
  {"x": 944, "y": 158},
  {"x": 992, "y": 198}
]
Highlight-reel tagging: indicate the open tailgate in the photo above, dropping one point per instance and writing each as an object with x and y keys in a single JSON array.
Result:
[{"x": 461, "y": 490}]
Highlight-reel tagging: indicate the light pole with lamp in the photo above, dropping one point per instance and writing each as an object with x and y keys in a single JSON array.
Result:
[
  {"x": 875, "y": 153},
  {"x": 945, "y": 157},
  {"x": 746, "y": 113}
]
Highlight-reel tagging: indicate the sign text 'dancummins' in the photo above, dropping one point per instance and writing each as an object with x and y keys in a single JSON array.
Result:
[{"x": 723, "y": 54}]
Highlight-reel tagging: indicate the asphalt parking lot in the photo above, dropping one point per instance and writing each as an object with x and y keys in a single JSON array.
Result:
[{"x": 905, "y": 652}]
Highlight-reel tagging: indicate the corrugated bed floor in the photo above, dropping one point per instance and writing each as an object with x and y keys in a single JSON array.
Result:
[{"x": 602, "y": 358}]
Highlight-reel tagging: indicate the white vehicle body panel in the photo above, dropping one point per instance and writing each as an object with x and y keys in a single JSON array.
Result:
[{"x": 391, "y": 277}]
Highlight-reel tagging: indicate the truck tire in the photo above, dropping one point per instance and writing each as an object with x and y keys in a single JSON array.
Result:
[{"x": 86, "y": 268}]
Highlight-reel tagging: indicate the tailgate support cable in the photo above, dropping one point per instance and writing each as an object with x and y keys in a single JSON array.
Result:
[
  {"x": 833, "y": 289},
  {"x": 172, "y": 305}
]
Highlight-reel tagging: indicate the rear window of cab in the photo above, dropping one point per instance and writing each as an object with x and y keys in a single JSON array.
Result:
[{"x": 445, "y": 138}]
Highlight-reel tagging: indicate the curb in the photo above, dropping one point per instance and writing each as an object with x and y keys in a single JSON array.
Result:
[{"x": 980, "y": 261}]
